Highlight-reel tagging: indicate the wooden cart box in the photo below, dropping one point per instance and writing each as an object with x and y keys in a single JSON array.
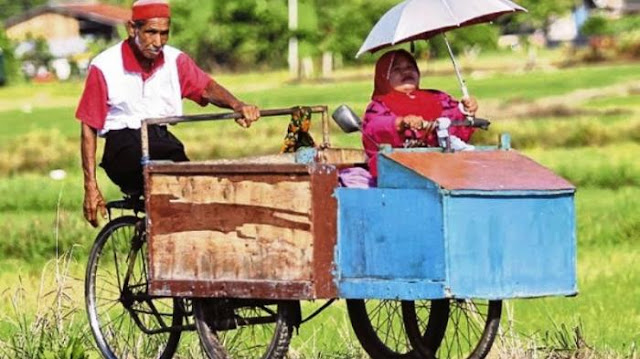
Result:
[
  {"x": 259, "y": 228},
  {"x": 490, "y": 224}
]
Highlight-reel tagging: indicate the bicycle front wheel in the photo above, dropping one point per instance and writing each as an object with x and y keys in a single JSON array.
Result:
[
  {"x": 466, "y": 329},
  {"x": 379, "y": 328},
  {"x": 125, "y": 320}
]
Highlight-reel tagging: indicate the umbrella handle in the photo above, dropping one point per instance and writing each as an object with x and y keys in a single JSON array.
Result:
[
  {"x": 465, "y": 91},
  {"x": 463, "y": 85}
]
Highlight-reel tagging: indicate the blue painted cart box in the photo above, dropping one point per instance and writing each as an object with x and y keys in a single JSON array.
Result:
[{"x": 485, "y": 224}]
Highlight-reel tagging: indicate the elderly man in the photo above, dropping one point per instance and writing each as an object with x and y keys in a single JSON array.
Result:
[{"x": 140, "y": 78}]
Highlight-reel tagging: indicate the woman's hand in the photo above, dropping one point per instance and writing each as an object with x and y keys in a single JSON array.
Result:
[
  {"x": 470, "y": 105},
  {"x": 416, "y": 123},
  {"x": 409, "y": 122}
]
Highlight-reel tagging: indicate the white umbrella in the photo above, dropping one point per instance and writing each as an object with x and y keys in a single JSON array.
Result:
[{"x": 422, "y": 19}]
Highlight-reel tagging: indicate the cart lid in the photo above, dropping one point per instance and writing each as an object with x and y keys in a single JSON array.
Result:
[{"x": 482, "y": 171}]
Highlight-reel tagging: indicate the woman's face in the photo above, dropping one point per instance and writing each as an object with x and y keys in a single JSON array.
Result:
[{"x": 404, "y": 76}]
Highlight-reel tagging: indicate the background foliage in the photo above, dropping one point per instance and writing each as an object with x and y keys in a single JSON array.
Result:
[
  {"x": 249, "y": 34},
  {"x": 9, "y": 8}
]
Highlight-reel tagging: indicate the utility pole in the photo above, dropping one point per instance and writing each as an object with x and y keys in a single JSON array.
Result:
[{"x": 293, "y": 40}]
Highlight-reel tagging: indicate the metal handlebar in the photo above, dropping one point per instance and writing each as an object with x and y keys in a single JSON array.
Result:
[
  {"x": 471, "y": 122},
  {"x": 144, "y": 133}
]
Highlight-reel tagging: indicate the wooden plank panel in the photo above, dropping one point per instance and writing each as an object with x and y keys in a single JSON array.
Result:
[
  {"x": 285, "y": 193},
  {"x": 179, "y": 217},
  {"x": 220, "y": 228},
  {"x": 252, "y": 252}
]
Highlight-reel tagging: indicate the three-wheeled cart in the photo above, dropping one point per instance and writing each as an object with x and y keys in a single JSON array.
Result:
[{"x": 424, "y": 259}]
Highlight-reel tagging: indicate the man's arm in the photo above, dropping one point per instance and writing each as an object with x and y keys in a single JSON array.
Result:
[
  {"x": 219, "y": 96},
  {"x": 93, "y": 200},
  {"x": 198, "y": 86}
]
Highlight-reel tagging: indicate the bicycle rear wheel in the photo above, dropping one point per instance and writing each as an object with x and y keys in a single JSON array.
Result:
[{"x": 125, "y": 320}]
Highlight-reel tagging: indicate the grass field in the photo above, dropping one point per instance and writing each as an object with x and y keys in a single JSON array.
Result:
[{"x": 584, "y": 123}]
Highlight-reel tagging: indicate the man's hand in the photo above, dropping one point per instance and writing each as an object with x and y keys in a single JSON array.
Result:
[
  {"x": 93, "y": 202},
  {"x": 470, "y": 105},
  {"x": 250, "y": 114}
]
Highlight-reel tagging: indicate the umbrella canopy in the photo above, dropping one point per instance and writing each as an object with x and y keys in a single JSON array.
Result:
[{"x": 422, "y": 19}]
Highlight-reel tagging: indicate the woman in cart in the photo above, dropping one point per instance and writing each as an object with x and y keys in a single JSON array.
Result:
[{"x": 403, "y": 115}]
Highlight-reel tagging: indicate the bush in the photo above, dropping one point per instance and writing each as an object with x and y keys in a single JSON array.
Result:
[
  {"x": 621, "y": 36},
  {"x": 628, "y": 31},
  {"x": 11, "y": 68},
  {"x": 480, "y": 37},
  {"x": 596, "y": 26},
  {"x": 240, "y": 35},
  {"x": 38, "y": 151}
]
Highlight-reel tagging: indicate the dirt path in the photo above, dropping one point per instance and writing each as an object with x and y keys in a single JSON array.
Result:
[{"x": 563, "y": 105}]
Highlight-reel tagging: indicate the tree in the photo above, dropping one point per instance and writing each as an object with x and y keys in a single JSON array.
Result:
[
  {"x": 9, "y": 8},
  {"x": 344, "y": 25},
  {"x": 340, "y": 33},
  {"x": 540, "y": 12},
  {"x": 239, "y": 34},
  {"x": 11, "y": 67}
]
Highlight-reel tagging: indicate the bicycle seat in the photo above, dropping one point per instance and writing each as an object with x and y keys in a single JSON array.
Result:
[{"x": 134, "y": 203}]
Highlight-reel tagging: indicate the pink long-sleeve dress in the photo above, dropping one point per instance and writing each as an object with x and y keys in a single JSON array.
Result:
[{"x": 379, "y": 127}]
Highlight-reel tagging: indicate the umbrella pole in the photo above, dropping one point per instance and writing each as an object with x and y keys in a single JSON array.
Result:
[{"x": 463, "y": 85}]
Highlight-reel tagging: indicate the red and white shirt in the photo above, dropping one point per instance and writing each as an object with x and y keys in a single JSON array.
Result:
[{"x": 119, "y": 93}]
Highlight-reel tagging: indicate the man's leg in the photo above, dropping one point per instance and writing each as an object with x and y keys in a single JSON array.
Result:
[
  {"x": 121, "y": 160},
  {"x": 165, "y": 146},
  {"x": 123, "y": 152}
]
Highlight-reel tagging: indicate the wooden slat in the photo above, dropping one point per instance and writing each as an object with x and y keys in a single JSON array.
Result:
[
  {"x": 234, "y": 289},
  {"x": 253, "y": 252},
  {"x": 324, "y": 218},
  {"x": 184, "y": 168},
  {"x": 278, "y": 192},
  {"x": 341, "y": 156}
]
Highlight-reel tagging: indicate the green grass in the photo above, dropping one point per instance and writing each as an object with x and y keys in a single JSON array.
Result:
[
  {"x": 592, "y": 142},
  {"x": 611, "y": 166},
  {"x": 536, "y": 84},
  {"x": 60, "y": 119},
  {"x": 53, "y": 108},
  {"x": 606, "y": 307}
]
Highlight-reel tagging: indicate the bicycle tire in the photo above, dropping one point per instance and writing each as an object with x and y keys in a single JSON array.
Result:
[
  {"x": 379, "y": 329},
  {"x": 233, "y": 342},
  {"x": 110, "y": 296},
  {"x": 478, "y": 321}
]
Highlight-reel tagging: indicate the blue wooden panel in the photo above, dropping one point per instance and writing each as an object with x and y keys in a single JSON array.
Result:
[
  {"x": 393, "y": 175},
  {"x": 387, "y": 235},
  {"x": 305, "y": 155},
  {"x": 509, "y": 247},
  {"x": 390, "y": 289}
]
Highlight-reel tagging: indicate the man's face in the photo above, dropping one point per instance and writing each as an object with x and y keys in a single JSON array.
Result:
[{"x": 151, "y": 37}]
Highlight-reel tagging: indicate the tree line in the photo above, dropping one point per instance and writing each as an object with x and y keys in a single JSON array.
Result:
[
  {"x": 243, "y": 34},
  {"x": 250, "y": 34}
]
